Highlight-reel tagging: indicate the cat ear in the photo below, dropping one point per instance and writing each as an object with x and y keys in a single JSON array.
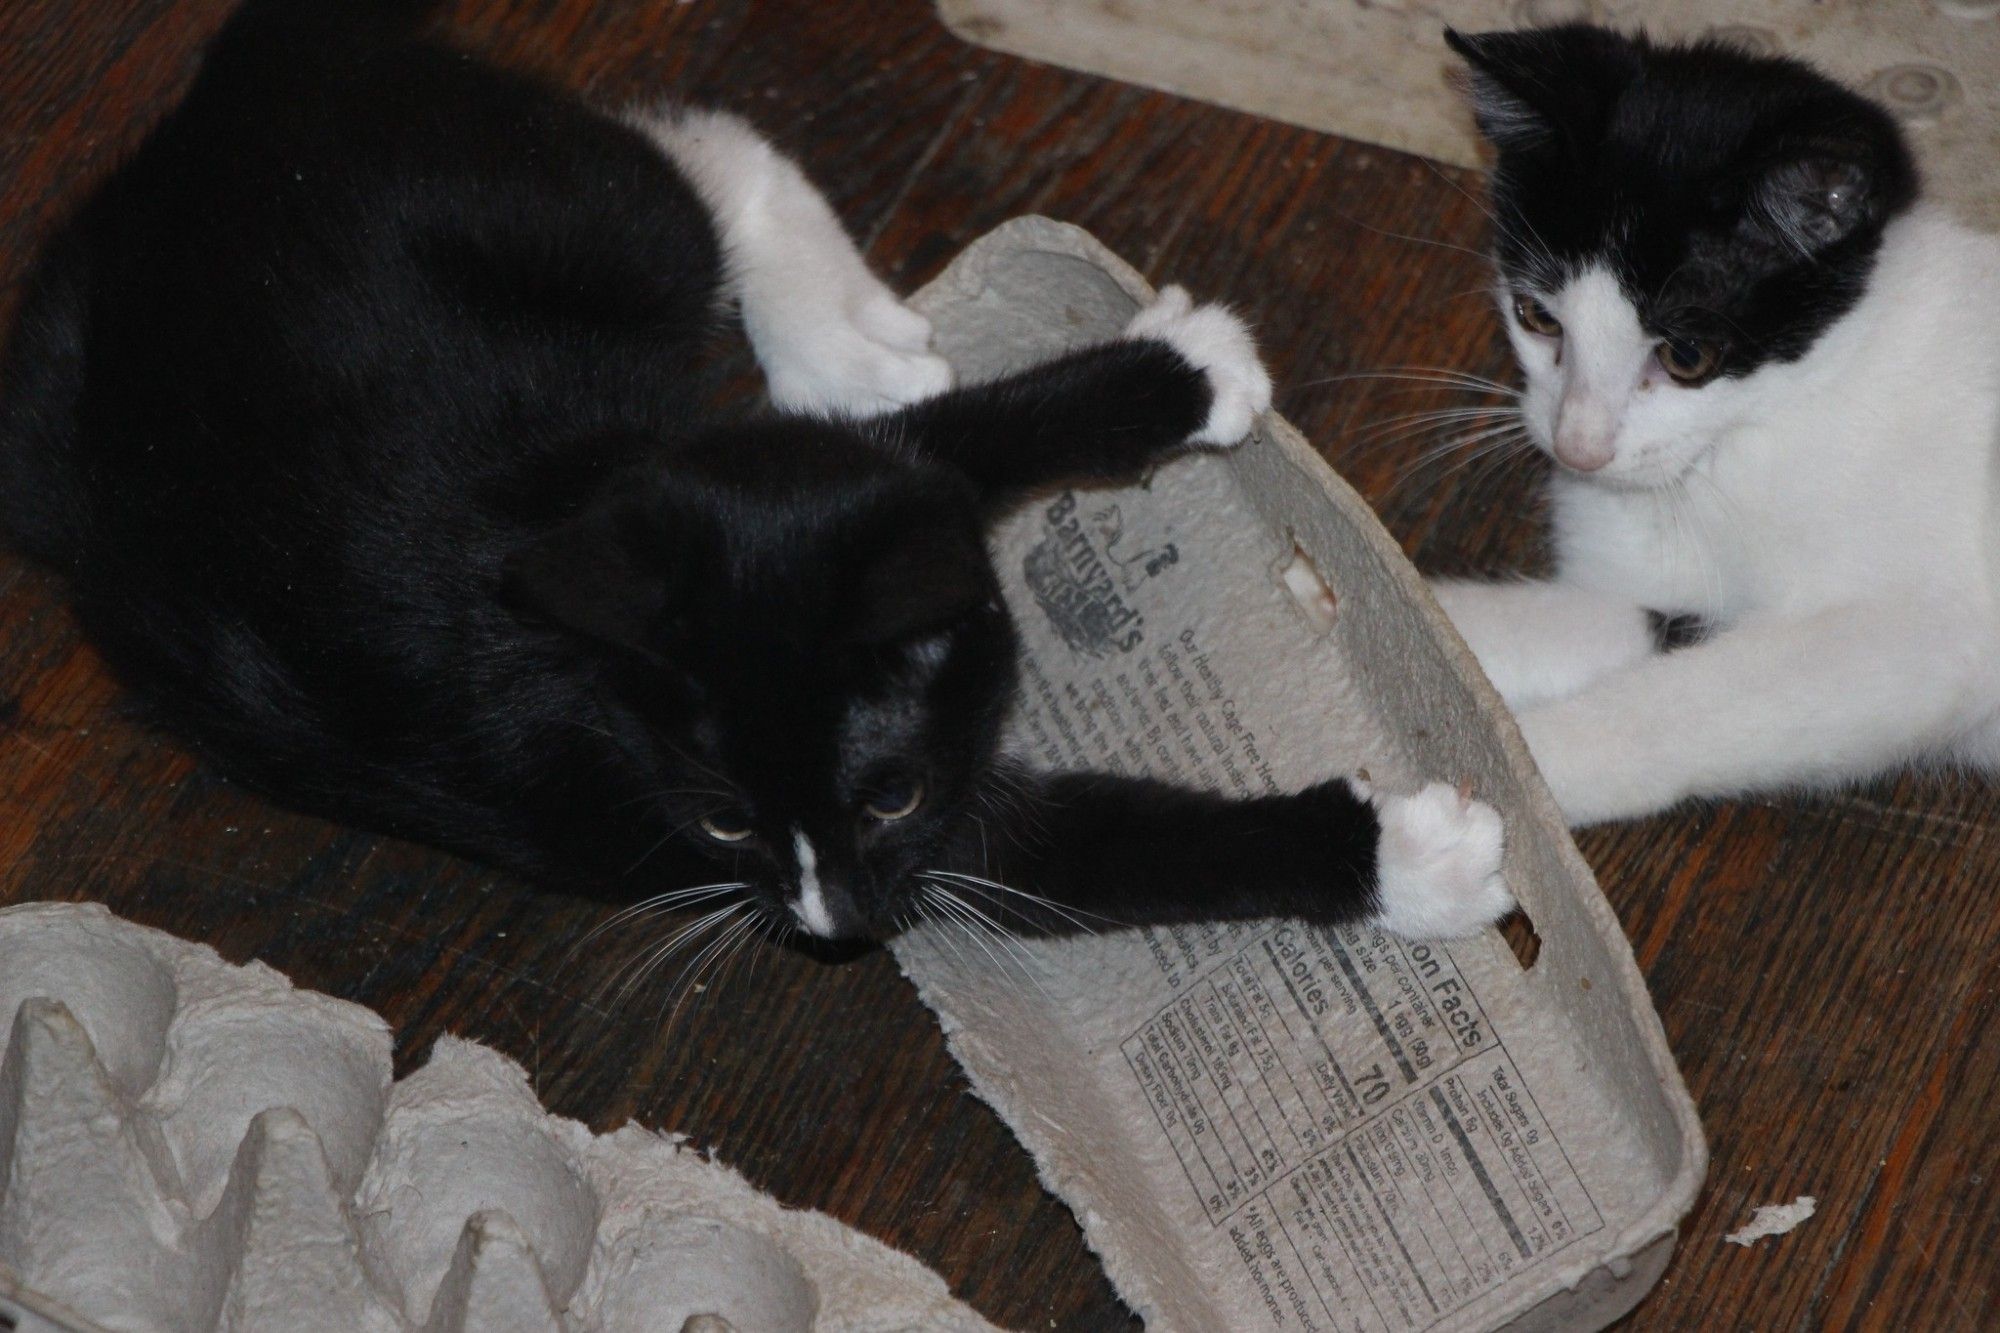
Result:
[
  {"x": 1533, "y": 86},
  {"x": 1811, "y": 189},
  {"x": 599, "y": 575},
  {"x": 1810, "y": 203},
  {"x": 926, "y": 578}
]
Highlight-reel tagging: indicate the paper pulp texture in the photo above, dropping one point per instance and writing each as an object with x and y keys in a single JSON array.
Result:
[
  {"x": 1380, "y": 72},
  {"x": 1268, "y": 1126},
  {"x": 187, "y": 1146}
]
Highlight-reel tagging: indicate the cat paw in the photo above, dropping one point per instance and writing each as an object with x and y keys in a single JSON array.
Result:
[
  {"x": 1218, "y": 344},
  {"x": 1437, "y": 867},
  {"x": 857, "y": 352}
]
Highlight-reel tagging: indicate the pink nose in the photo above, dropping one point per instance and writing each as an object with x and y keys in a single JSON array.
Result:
[{"x": 1583, "y": 444}]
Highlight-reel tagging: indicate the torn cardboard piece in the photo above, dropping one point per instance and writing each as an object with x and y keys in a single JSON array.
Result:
[
  {"x": 1774, "y": 1219},
  {"x": 191, "y": 1146},
  {"x": 1268, "y": 1126}
]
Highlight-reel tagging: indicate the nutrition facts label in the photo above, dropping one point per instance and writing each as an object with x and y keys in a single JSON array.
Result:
[{"x": 1344, "y": 1111}]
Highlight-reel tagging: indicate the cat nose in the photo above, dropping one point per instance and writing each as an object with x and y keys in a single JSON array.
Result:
[{"x": 1584, "y": 436}]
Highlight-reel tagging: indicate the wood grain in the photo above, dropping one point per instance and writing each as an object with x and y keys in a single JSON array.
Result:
[{"x": 1826, "y": 967}]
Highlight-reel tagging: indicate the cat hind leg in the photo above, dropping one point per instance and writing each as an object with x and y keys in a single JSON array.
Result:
[{"x": 829, "y": 334}]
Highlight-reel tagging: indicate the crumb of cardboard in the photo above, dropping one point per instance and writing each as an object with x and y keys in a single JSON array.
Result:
[{"x": 1774, "y": 1219}]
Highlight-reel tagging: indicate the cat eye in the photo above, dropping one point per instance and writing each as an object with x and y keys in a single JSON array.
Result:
[
  {"x": 1688, "y": 361},
  {"x": 1536, "y": 317},
  {"x": 895, "y": 800},
  {"x": 726, "y": 828}
]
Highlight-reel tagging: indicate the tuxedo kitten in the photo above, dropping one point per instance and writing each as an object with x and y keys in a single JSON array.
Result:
[
  {"x": 1770, "y": 379},
  {"x": 361, "y": 412}
]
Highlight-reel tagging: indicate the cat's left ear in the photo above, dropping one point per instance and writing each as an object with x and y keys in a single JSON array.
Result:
[
  {"x": 600, "y": 575},
  {"x": 926, "y": 577}
]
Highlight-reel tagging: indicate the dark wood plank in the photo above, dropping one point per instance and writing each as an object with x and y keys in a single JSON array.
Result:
[{"x": 1823, "y": 966}]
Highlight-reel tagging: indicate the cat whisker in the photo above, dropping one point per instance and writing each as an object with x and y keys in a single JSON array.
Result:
[
  {"x": 985, "y": 935},
  {"x": 980, "y": 923},
  {"x": 1480, "y": 255},
  {"x": 1428, "y": 376},
  {"x": 724, "y": 947},
  {"x": 655, "y": 905},
  {"x": 1074, "y": 915},
  {"x": 941, "y": 928},
  {"x": 1532, "y": 241},
  {"x": 1474, "y": 445},
  {"x": 635, "y": 970},
  {"x": 1392, "y": 431},
  {"x": 666, "y": 838},
  {"x": 673, "y": 791}
]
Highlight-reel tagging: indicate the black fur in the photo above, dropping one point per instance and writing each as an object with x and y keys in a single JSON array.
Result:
[
  {"x": 1740, "y": 199},
  {"x": 360, "y": 411}
]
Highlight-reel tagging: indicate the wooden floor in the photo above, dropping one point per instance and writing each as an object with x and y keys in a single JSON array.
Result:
[{"x": 1827, "y": 968}]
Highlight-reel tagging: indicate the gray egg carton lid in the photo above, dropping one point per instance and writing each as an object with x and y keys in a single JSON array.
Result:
[
  {"x": 187, "y": 1146},
  {"x": 1266, "y": 1126},
  {"x": 1381, "y": 73}
]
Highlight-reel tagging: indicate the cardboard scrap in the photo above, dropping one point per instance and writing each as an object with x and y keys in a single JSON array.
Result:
[{"x": 1774, "y": 1219}]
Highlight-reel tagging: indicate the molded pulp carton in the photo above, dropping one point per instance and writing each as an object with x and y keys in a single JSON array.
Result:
[
  {"x": 191, "y": 1146},
  {"x": 1267, "y": 1126}
]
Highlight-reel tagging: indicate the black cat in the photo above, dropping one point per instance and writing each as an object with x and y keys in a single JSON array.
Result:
[{"x": 361, "y": 411}]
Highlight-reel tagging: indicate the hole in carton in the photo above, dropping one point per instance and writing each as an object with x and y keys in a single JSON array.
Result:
[
  {"x": 1310, "y": 591},
  {"x": 1519, "y": 932},
  {"x": 7, "y": 1322}
]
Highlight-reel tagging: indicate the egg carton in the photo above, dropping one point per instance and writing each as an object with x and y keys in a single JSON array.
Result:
[{"x": 187, "y": 1145}]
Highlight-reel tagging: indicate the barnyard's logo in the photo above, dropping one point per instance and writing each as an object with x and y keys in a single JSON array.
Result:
[{"x": 1084, "y": 568}]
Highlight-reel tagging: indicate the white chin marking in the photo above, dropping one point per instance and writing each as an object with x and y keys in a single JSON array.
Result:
[{"x": 810, "y": 906}]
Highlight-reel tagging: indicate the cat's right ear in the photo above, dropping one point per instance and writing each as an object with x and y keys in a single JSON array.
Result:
[
  {"x": 1541, "y": 85},
  {"x": 600, "y": 575}
]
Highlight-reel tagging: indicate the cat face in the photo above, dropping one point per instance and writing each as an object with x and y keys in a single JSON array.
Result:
[
  {"x": 1670, "y": 221},
  {"x": 806, "y": 658}
]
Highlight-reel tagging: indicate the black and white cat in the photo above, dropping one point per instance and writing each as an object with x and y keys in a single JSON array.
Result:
[
  {"x": 1770, "y": 379},
  {"x": 360, "y": 410}
]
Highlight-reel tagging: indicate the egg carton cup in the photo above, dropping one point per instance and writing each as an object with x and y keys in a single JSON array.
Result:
[{"x": 186, "y": 1145}]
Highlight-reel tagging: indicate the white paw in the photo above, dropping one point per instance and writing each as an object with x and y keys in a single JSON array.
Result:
[
  {"x": 1218, "y": 344},
  {"x": 1437, "y": 868},
  {"x": 858, "y": 352}
]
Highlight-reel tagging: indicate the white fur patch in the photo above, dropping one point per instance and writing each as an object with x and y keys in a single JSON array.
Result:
[
  {"x": 810, "y": 906},
  {"x": 1605, "y": 357},
  {"x": 1437, "y": 869},
  {"x": 1831, "y": 519},
  {"x": 1543, "y": 641},
  {"x": 1217, "y": 343},
  {"x": 829, "y": 335}
]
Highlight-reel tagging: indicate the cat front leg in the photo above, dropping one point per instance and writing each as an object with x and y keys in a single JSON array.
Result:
[
  {"x": 1540, "y": 640},
  {"x": 829, "y": 334},
  {"x": 1099, "y": 850},
  {"x": 1181, "y": 375},
  {"x": 1767, "y": 703}
]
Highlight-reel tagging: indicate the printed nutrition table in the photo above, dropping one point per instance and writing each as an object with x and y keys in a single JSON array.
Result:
[{"x": 1340, "y": 1102}]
